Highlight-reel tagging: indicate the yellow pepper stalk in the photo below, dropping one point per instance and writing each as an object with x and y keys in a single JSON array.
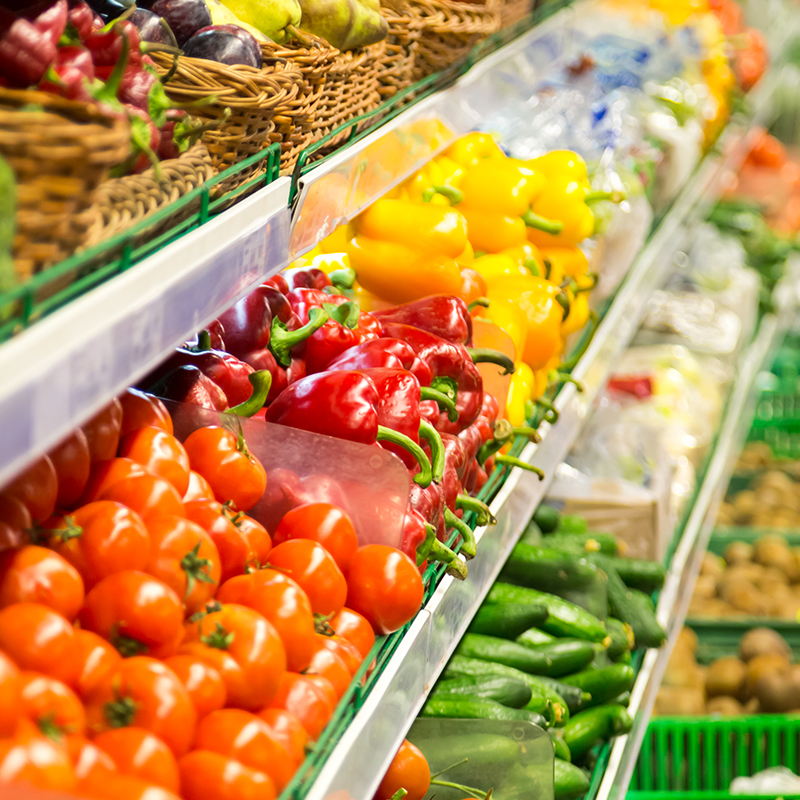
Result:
[
  {"x": 564, "y": 199},
  {"x": 578, "y": 314},
  {"x": 527, "y": 255},
  {"x": 520, "y": 391},
  {"x": 473, "y": 148},
  {"x": 402, "y": 251},
  {"x": 441, "y": 171}
]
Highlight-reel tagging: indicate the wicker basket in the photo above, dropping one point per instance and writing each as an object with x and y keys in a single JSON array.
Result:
[
  {"x": 514, "y": 11},
  {"x": 246, "y": 102},
  {"x": 60, "y": 152},
  {"x": 451, "y": 29},
  {"x": 405, "y": 27},
  {"x": 122, "y": 202}
]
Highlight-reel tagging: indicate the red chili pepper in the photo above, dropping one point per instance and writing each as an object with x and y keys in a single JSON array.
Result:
[
  {"x": 106, "y": 46},
  {"x": 83, "y": 19},
  {"x": 445, "y": 316},
  {"x": 53, "y": 21},
  {"x": 144, "y": 137},
  {"x": 25, "y": 54},
  {"x": 143, "y": 89}
]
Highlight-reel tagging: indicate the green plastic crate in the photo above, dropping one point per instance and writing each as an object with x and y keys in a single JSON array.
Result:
[{"x": 695, "y": 757}]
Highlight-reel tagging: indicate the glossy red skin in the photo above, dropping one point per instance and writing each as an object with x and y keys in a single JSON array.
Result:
[
  {"x": 112, "y": 538},
  {"x": 347, "y": 651},
  {"x": 232, "y": 546},
  {"x": 141, "y": 409},
  {"x": 277, "y": 282},
  {"x": 199, "y": 488},
  {"x": 355, "y": 628},
  {"x": 102, "y": 432},
  {"x": 414, "y": 532},
  {"x": 429, "y": 503},
  {"x": 10, "y": 701},
  {"x": 305, "y": 278},
  {"x": 141, "y": 754},
  {"x": 255, "y": 647},
  {"x": 398, "y": 407},
  {"x": 284, "y": 604},
  {"x": 340, "y": 404},
  {"x": 107, "y": 472},
  {"x": 302, "y": 697},
  {"x": 259, "y": 542},
  {"x": 455, "y": 469},
  {"x": 32, "y": 759},
  {"x": 264, "y": 360},
  {"x": 203, "y": 682},
  {"x": 136, "y": 606},
  {"x": 315, "y": 571},
  {"x": 37, "y": 488},
  {"x": 442, "y": 315},
  {"x": 206, "y": 775},
  {"x": 247, "y": 323},
  {"x": 146, "y": 494},
  {"x": 71, "y": 460},
  {"x": 87, "y": 758},
  {"x": 383, "y": 352},
  {"x": 409, "y": 770},
  {"x": 384, "y": 586},
  {"x": 14, "y": 513},
  {"x": 246, "y": 737},
  {"x": 96, "y": 657},
  {"x": 160, "y": 702},
  {"x": 325, "y": 524},
  {"x": 46, "y": 699},
  {"x": 158, "y": 452},
  {"x": 330, "y": 665},
  {"x": 187, "y": 384},
  {"x": 101, "y": 785},
  {"x": 288, "y": 730},
  {"x": 37, "y": 575}
]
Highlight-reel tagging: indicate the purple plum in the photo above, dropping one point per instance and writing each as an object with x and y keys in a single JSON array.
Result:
[
  {"x": 245, "y": 36},
  {"x": 152, "y": 28},
  {"x": 221, "y": 46},
  {"x": 184, "y": 17}
]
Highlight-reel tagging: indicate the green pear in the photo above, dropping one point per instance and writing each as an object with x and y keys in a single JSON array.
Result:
[
  {"x": 345, "y": 24},
  {"x": 222, "y": 15},
  {"x": 270, "y": 17}
]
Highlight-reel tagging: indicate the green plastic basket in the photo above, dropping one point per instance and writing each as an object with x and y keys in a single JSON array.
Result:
[{"x": 688, "y": 757}]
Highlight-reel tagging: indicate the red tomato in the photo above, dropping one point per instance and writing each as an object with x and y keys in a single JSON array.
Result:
[
  {"x": 350, "y": 625},
  {"x": 37, "y": 488},
  {"x": 255, "y": 646},
  {"x": 38, "y": 639},
  {"x": 232, "y": 547},
  {"x": 247, "y": 738},
  {"x": 103, "y": 538},
  {"x": 34, "y": 574},
  {"x": 198, "y": 489},
  {"x": 385, "y": 586},
  {"x": 233, "y": 472},
  {"x": 302, "y": 697},
  {"x": 259, "y": 543},
  {"x": 106, "y": 473},
  {"x": 71, "y": 460},
  {"x": 347, "y": 651},
  {"x": 140, "y": 410},
  {"x": 220, "y": 661},
  {"x": 184, "y": 556},
  {"x": 102, "y": 431},
  {"x": 325, "y": 686},
  {"x": 158, "y": 452},
  {"x": 310, "y": 565},
  {"x": 51, "y": 705},
  {"x": 288, "y": 730},
  {"x": 147, "y": 495},
  {"x": 87, "y": 757},
  {"x": 96, "y": 657},
  {"x": 144, "y": 693},
  {"x": 116, "y": 786},
  {"x": 211, "y": 776},
  {"x": 409, "y": 770},
  {"x": 15, "y": 519},
  {"x": 283, "y": 603},
  {"x": 325, "y": 524},
  {"x": 136, "y": 612},
  {"x": 138, "y": 752},
  {"x": 331, "y": 666},
  {"x": 10, "y": 703},
  {"x": 203, "y": 682},
  {"x": 34, "y": 760}
]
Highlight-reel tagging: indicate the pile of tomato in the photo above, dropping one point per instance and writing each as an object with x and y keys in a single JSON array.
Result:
[{"x": 155, "y": 640}]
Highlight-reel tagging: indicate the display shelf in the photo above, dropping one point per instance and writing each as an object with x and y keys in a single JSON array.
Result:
[
  {"x": 62, "y": 370},
  {"x": 397, "y": 696},
  {"x": 674, "y": 598}
]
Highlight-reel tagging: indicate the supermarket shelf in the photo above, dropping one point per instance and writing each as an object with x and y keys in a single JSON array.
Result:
[
  {"x": 393, "y": 703},
  {"x": 62, "y": 370},
  {"x": 682, "y": 574}
]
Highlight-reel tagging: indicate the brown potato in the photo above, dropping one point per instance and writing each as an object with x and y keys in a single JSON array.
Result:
[
  {"x": 776, "y": 693},
  {"x": 725, "y": 676},
  {"x": 738, "y": 553},
  {"x": 724, "y": 706},
  {"x": 746, "y": 597},
  {"x": 758, "y": 667},
  {"x": 706, "y": 587},
  {"x": 712, "y": 565},
  {"x": 761, "y": 641},
  {"x": 674, "y": 700}
]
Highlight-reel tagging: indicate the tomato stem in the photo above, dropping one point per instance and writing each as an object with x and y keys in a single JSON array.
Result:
[
  {"x": 322, "y": 624},
  {"x": 127, "y": 645},
  {"x": 50, "y": 728},
  {"x": 220, "y": 638},
  {"x": 120, "y": 713},
  {"x": 211, "y": 607},
  {"x": 399, "y": 794},
  {"x": 195, "y": 569}
]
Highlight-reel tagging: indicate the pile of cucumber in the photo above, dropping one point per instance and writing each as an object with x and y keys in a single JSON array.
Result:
[{"x": 535, "y": 652}]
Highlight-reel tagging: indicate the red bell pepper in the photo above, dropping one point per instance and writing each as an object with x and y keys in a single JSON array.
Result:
[
  {"x": 187, "y": 384},
  {"x": 25, "y": 54},
  {"x": 445, "y": 316},
  {"x": 53, "y": 21},
  {"x": 107, "y": 45},
  {"x": 83, "y": 19},
  {"x": 420, "y": 543},
  {"x": 305, "y": 278},
  {"x": 72, "y": 74},
  {"x": 384, "y": 352}
]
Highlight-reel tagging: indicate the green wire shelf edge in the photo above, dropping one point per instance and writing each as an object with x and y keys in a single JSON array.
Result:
[{"x": 20, "y": 307}]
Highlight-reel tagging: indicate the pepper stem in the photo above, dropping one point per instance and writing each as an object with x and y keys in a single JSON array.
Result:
[
  {"x": 483, "y": 512},
  {"x": 424, "y": 547},
  {"x": 430, "y": 435},
  {"x": 425, "y": 475},
  {"x": 595, "y": 197},
  {"x": 204, "y": 340},
  {"x": 261, "y": 381},
  {"x": 447, "y": 386},
  {"x": 483, "y": 302},
  {"x": 563, "y": 300},
  {"x": 450, "y": 192},
  {"x": 282, "y": 340},
  {"x": 343, "y": 278},
  {"x": 515, "y": 462},
  {"x": 554, "y": 378},
  {"x": 592, "y": 276},
  {"x": 444, "y": 402},
  {"x": 399, "y": 794},
  {"x": 443, "y": 554},
  {"x": 477, "y": 793},
  {"x": 533, "y": 220},
  {"x": 550, "y": 411},
  {"x": 483, "y": 355},
  {"x": 533, "y": 267},
  {"x": 469, "y": 546},
  {"x": 578, "y": 354}
]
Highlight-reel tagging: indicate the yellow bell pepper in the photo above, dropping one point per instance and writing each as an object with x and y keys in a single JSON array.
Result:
[
  {"x": 520, "y": 391},
  {"x": 496, "y": 266},
  {"x": 578, "y": 314},
  {"x": 527, "y": 255},
  {"x": 513, "y": 320},
  {"x": 564, "y": 199},
  {"x": 564, "y": 262},
  {"x": 473, "y": 148},
  {"x": 441, "y": 171},
  {"x": 402, "y": 251},
  {"x": 561, "y": 163},
  {"x": 336, "y": 242},
  {"x": 540, "y": 380}
]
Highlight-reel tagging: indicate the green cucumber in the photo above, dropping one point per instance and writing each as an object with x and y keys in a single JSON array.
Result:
[
  {"x": 532, "y": 534},
  {"x": 542, "y": 696},
  {"x": 563, "y": 618},
  {"x": 579, "y": 543},
  {"x": 623, "y": 699},
  {"x": 560, "y": 748},
  {"x": 621, "y": 635},
  {"x": 501, "y": 651},
  {"x": 572, "y": 523},
  {"x": 547, "y": 518},
  {"x": 479, "y": 748},
  {"x": 575, "y": 698},
  {"x": 502, "y": 689},
  {"x": 566, "y": 655},
  {"x": 469, "y": 708},
  {"x": 636, "y": 573},
  {"x": 534, "y": 637},
  {"x": 507, "y": 621},
  {"x": 603, "y": 684},
  {"x": 570, "y": 782},
  {"x": 595, "y": 725},
  {"x": 547, "y": 570}
]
